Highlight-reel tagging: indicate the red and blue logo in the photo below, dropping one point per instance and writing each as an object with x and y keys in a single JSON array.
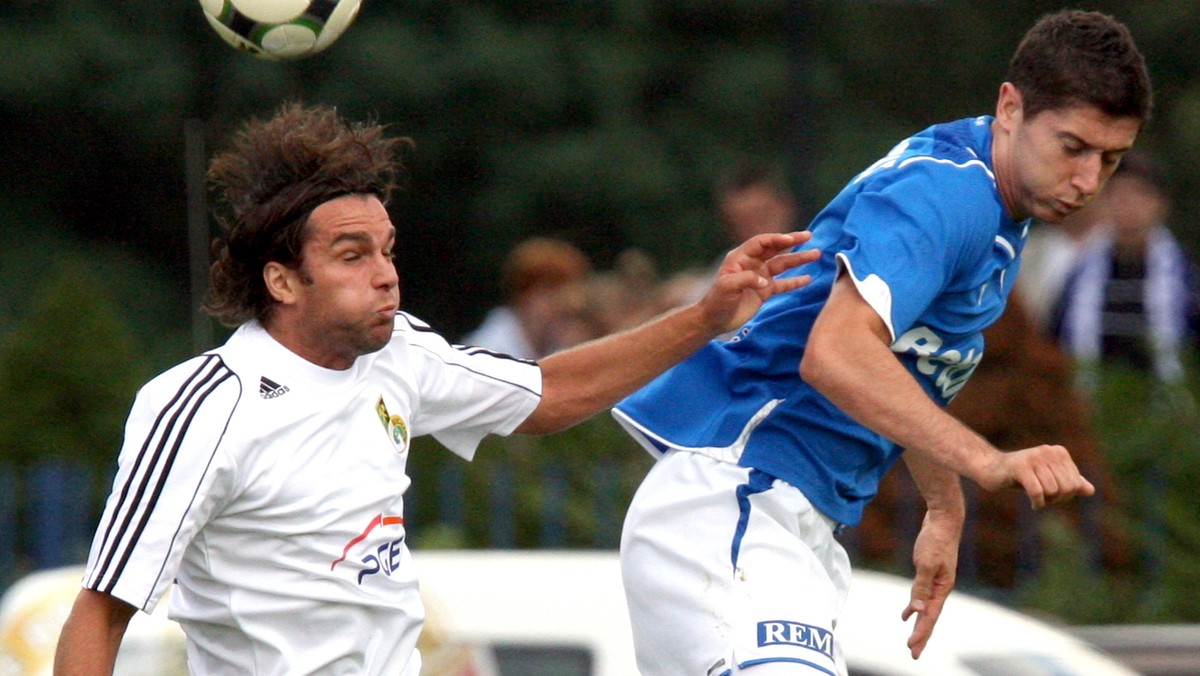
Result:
[{"x": 384, "y": 558}]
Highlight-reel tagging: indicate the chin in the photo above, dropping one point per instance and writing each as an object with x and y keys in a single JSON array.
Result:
[
  {"x": 381, "y": 338},
  {"x": 1050, "y": 215}
]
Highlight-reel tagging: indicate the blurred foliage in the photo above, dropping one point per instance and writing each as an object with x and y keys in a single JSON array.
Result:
[
  {"x": 66, "y": 374},
  {"x": 605, "y": 123},
  {"x": 1148, "y": 434}
]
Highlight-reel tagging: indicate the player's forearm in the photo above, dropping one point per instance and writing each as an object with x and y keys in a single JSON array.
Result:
[
  {"x": 579, "y": 382},
  {"x": 939, "y": 486},
  {"x": 860, "y": 375},
  {"x": 92, "y": 635}
]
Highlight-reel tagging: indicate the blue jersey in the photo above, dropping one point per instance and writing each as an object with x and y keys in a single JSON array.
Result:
[{"x": 927, "y": 239}]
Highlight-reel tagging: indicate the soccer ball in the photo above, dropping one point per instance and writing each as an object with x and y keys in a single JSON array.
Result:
[{"x": 280, "y": 29}]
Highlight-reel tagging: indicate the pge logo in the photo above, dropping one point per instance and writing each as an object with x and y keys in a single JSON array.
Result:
[{"x": 385, "y": 557}]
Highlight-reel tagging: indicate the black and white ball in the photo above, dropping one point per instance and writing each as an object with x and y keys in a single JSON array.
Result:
[{"x": 280, "y": 30}]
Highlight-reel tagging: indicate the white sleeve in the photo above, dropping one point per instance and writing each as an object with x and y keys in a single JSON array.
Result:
[
  {"x": 467, "y": 393},
  {"x": 170, "y": 480}
]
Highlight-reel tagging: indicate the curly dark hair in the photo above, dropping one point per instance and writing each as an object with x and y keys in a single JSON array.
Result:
[
  {"x": 1073, "y": 57},
  {"x": 266, "y": 185}
]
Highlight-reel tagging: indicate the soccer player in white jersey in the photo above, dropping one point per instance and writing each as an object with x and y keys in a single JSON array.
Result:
[
  {"x": 773, "y": 440},
  {"x": 265, "y": 477}
]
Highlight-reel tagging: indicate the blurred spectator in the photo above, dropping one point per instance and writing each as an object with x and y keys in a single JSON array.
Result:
[
  {"x": 627, "y": 295},
  {"x": 1050, "y": 253},
  {"x": 754, "y": 199},
  {"x": 546, "y": 301},
  {"x": 750, "y": 199},
  {"x": 1131, "y": 298}
]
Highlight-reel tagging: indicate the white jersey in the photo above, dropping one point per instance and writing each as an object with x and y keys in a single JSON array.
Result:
[{"x": 270, "y": 489}]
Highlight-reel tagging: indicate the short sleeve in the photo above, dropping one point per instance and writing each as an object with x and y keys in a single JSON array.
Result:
[
  {"x": 170, "y": 480},
  {"x": 906, "y": 235},
  {"x": 467, "y": 393}
]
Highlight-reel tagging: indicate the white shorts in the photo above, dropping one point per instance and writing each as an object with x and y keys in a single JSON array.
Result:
[{"x": 725, "y": 568}]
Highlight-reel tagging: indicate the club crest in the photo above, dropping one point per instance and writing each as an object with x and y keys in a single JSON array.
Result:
[{"x": 394, "y": 424}]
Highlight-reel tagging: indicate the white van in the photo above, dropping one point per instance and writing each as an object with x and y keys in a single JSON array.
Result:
[
  {"x": 563, "y": 614},
  {"x": 555, "y": 613}
]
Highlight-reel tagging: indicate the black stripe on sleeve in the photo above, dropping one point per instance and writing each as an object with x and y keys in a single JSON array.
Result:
[{"x": 153, "y": 459}]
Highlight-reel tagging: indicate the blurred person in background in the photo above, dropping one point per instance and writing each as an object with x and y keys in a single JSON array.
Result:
[
  {"x": 265, "y": 478},
  {"x": 545, "y": 283},
  {"x": 628, "y": 294},
  {"x": 751, "y": 198},
  {"x": 1132, "y": 297},
  {"x": 754, "y": 199},
  {"x": 1049, "y": 256}
]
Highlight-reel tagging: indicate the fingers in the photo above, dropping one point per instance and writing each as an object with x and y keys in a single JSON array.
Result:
[
  {"x": 787, "y": 261},
  {"x": 764, "y": 247},
  {"x": 1048, "y": 475},
  {"x": 927, "y": 610},
  {"x": 770, "y": 255}
]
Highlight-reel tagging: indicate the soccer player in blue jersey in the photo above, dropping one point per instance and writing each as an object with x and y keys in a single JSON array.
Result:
[{"x": 773, "y": 440}]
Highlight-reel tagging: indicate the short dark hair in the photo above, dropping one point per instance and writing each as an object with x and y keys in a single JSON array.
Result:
[
  {"x": 1072, "y": 58},
  {"x": 266, "y": 185},
  {"x": 749, "y": 174}
]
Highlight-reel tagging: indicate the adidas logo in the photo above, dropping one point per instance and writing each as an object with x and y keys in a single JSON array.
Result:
[{"x": 269, "y": 389}]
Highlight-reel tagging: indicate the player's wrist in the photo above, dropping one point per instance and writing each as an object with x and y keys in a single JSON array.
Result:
[{"x": 946, "y": 513}]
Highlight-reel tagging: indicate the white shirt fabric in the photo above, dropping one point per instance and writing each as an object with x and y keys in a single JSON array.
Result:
[
  {"x": 501, "y": 331},
  {"x": 270, "y": 489}
]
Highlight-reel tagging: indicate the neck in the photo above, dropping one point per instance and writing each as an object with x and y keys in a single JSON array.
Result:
[{"x": 1002, "y": 166}]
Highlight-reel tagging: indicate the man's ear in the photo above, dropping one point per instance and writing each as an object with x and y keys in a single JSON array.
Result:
[
  {"x": 281, "y": 281},
  {"x": 1009, "y": 105}
]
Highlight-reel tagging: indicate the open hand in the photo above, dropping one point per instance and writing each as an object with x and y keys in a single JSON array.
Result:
[{"x": 748, "y": 277}]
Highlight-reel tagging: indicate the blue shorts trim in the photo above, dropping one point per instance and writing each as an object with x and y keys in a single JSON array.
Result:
[
  {"x": 759, "y": 482},
  {"x": 796, "y": 660}
]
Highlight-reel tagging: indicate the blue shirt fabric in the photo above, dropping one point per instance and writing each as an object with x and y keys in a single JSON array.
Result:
[{"x": 931, "y": 247}]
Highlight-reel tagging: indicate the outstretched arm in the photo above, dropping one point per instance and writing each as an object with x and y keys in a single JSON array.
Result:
[
  {"x": 579, "y": 382},
  {"x": 92, "y": 635}
]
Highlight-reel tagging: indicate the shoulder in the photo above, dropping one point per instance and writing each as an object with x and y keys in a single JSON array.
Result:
[
  {"x": 195, "y": 399},
  {"x": 419, "y": 338},
  {"x": 206, "y": 379},
  {"x": 948, "y": 154},
  {"x": 437, "y": 368},
  {"x": 206, "y": 370},
  {"x": 411, "y": 331}
]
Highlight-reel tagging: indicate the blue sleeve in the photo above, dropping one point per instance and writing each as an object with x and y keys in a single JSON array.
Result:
[{"x": 914, "y": 229}]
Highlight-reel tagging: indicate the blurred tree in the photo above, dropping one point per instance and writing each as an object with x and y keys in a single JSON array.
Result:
[
  {"x": 604, "y": 123},
  {"x": 67, "y": 374}
]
